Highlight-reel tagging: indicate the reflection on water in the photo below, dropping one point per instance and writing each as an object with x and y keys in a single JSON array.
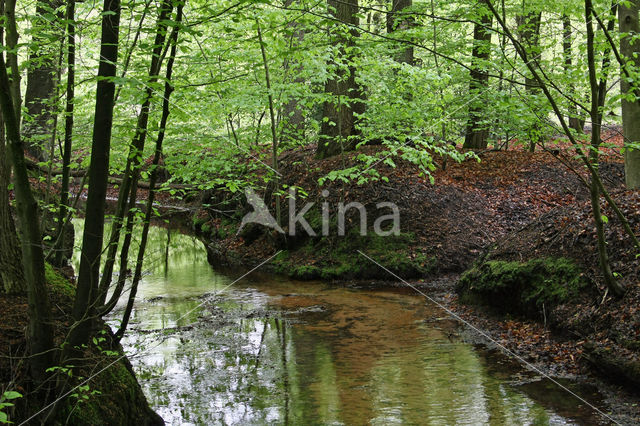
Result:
[{"x": 273, "y": 351}]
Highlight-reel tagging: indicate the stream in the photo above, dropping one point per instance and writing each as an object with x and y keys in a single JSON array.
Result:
[{"x": 269, "y": 350}]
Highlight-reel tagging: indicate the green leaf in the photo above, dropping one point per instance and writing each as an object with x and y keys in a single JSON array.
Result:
[{"x": 8, "y": 395}]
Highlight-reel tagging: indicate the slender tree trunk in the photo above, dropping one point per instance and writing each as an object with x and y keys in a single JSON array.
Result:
[
  {"x": 41, "y": 79},
  {"x": 477, "y": 133},
  {"x": 132, "y": 169},
  {"x": 168, "y": 89},
  {"x": 630, "y": 51},
  {"x": 39, "y": 330},
  {"x": 598, "y": 93},
  {"x": 399, "y": 20},
  {"x": 60, "y": 243},
  {"x": 340, "y": 114},
  {"x": 129, "y": 54},
  {"x": 575, "y": 122},
  {"x": 272, "y": 116},
  {"x": 12, "y": 58},
  {"x": 88, "y": 276}
]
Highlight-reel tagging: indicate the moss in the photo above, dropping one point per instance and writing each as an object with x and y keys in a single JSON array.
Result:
[
  {"x": 339, "y": 258},
  {"x": 524, "y": 288},
  {"x": 57, "y": 283},
  {"x": 112, "y": 397}
]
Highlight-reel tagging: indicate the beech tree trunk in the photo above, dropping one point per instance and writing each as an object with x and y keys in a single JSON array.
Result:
[
  {"x": 89, "y": 273},
  {"x": 41, "y": 80},
  {"x": 292, "y": 112},
  {"x": 338, "y": 130},
  {"x": 630, "y": 51},
  {"x": 398, "y": 19},
  {"x": 529, "y": 29},
  {"x": 477, "y": 133}
]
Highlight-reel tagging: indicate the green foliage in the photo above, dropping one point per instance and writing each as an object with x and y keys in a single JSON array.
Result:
[
  {"x": 4, "y": 398},
  {"x": 521, "y": 288}
]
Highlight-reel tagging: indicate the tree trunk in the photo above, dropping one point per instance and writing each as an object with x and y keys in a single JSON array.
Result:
[
  {"x": 11, "y": 273},
  {"x": 398, "y": 19},
  {"x": 292, "y": 127},
  {"x": 60, "y": 242},
  {"x": 529, "y": 28},
  {"x": 41, "y": 79},
  {"x": 132, "y": 168},
  {"x": 477, "y": 133},
  {"x": 88, "y": 276},
  {"x": 39, "y": 330},
  {"x": 574, "y": 119},
  {"x": 168, "y": 89},
  {"x": 598, "y": 93},
  {"x": 12, "y": 57},
  {"x": 338, "y": 130},
  {"x": 630, "y": 51}
]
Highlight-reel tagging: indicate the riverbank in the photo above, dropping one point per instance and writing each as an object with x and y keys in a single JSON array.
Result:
[
  {"x": 527, "y": 204},
  {"x": 103, "y": 391}
]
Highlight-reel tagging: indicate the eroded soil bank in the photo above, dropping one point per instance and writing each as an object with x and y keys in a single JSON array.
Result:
[{"x": 513, "y": 217}]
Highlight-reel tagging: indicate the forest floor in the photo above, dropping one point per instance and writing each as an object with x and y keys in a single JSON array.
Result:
[{"x": 515, "y": 204}]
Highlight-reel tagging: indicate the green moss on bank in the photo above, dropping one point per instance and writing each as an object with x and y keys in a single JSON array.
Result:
[
  {"x": 522, "y": 288},
  {"x": 112, "y": 397},
  {"x": 340, "y": 258},
  {"x": 57, "y": 283}
]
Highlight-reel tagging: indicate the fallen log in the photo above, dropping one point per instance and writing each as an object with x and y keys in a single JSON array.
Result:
[
  {"x": 33, "y": 165},
  {"x": 612, "y": 365}
]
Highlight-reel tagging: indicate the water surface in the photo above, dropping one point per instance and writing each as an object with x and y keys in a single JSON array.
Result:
[{"x": 268, "y": 350}]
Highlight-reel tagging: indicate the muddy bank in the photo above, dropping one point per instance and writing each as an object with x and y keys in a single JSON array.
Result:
[{"x": 520, "y": 276}]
